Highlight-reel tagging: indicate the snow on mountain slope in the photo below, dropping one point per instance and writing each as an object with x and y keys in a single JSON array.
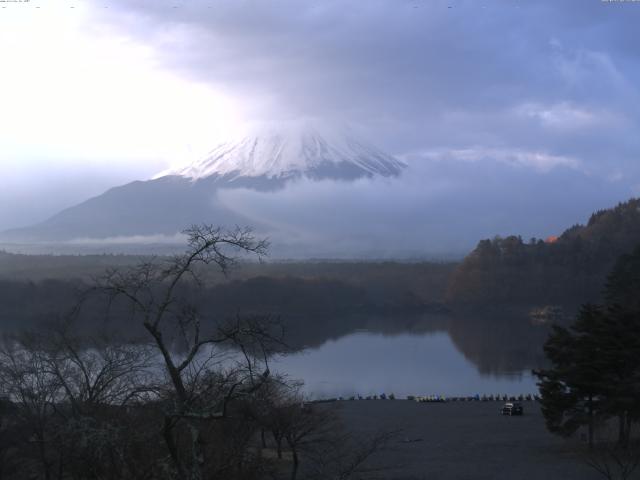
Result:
[
  {"x": 287, "y": 154},
  {"x": 262, "y": 162}
]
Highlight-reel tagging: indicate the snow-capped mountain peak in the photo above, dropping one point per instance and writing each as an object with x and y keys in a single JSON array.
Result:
[{"x": 286, "y": 154}]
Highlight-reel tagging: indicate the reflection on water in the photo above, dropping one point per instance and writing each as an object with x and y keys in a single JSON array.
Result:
[
  {"x": 499, "y": 343},
  {"x": 368, "y": 363}
]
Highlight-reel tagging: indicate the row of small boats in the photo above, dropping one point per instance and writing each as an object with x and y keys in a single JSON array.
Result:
[
  {"x": 441, "y": 398},
  {"x": 475, "y": 398}
]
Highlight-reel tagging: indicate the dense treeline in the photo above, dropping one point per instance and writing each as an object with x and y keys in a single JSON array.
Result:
[
  {"x": 570, "y": 269},
  {"x": 426, "y": 280},
  {"x": 24, "y": 304},
  {"x": 33, "y": 306}
]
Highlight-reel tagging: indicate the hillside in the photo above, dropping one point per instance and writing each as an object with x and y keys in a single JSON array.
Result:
[
  {"x": 569, "y": 269},
  {"x": 157, "y": 210}
]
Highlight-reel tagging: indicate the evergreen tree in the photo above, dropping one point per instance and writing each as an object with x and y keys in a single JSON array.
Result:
[
  {"x": 595, "y": 364},
  {"x": 571, "y": 389},
  {"x": 622, "y": 289}
]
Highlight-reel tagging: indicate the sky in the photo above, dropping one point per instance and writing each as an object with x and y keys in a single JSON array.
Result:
[{"x": 474, "y": 95}]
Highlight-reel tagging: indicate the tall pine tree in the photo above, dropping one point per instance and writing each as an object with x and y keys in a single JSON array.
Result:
[{"x": 595, "y": 363}]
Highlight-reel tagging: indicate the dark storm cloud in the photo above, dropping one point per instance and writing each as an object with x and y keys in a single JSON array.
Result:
[{"x": 557, "y": 78}]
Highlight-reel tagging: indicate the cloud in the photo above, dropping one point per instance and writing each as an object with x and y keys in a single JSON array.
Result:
[
  {"x": 530, "y": 76},
  {"x": 561, "y": 116},
  {"x": 540, "y": 161},
  {"x": 522, "y": 93},
  {"x": 159, "y": 239},
  {"x": 438, "y": 208}
]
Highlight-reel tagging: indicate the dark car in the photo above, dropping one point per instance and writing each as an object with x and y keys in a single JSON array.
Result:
[{"x": 512, "y": 408}]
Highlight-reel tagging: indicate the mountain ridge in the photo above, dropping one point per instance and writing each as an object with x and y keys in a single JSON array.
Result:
[{"x": 177, "y": 198}]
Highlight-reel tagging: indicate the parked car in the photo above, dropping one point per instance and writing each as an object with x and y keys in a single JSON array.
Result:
[{"x": 512, "y": 408}]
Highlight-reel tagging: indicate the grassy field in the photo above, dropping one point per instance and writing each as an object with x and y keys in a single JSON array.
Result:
[{"x": 465, "y": 440}]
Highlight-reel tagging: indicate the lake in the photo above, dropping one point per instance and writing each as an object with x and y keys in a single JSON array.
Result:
[{"x": 427, "y": 363}]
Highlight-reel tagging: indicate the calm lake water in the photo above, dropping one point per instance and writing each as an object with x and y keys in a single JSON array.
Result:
[{"x": 369, "y": 363}]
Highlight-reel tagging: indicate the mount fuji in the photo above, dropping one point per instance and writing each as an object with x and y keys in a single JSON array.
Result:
[
  {"x": 176, "y": 198},
  {"x": 273, "y": 157}
]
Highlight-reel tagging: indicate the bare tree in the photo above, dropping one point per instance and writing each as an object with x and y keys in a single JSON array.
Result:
[
  {"x": 68, "y": 392},
  {"x": 614, "y": 462},
  {"x": 342, "y": 455},
  {"x": 611, "y": 459},
  {"x": 313, "y": 434},
  {"x": 33, "y": 392},
  {"x": 304, "y": 428},
  {"x": 200, "y": 387},
  {"x": 97, "y": 370},
  {"x": 11, "y": 438}
]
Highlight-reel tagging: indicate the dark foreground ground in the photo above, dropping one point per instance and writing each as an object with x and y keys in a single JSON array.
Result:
[{"x": 465, "y": 440}]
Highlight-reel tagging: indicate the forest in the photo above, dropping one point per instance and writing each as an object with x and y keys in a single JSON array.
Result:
[
  {"x": 34, "y": 289},
  {"x": 567, "y": 270}
]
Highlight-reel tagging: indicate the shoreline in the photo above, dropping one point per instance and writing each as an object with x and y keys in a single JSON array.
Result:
[{"x": 433, "y": 398}]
